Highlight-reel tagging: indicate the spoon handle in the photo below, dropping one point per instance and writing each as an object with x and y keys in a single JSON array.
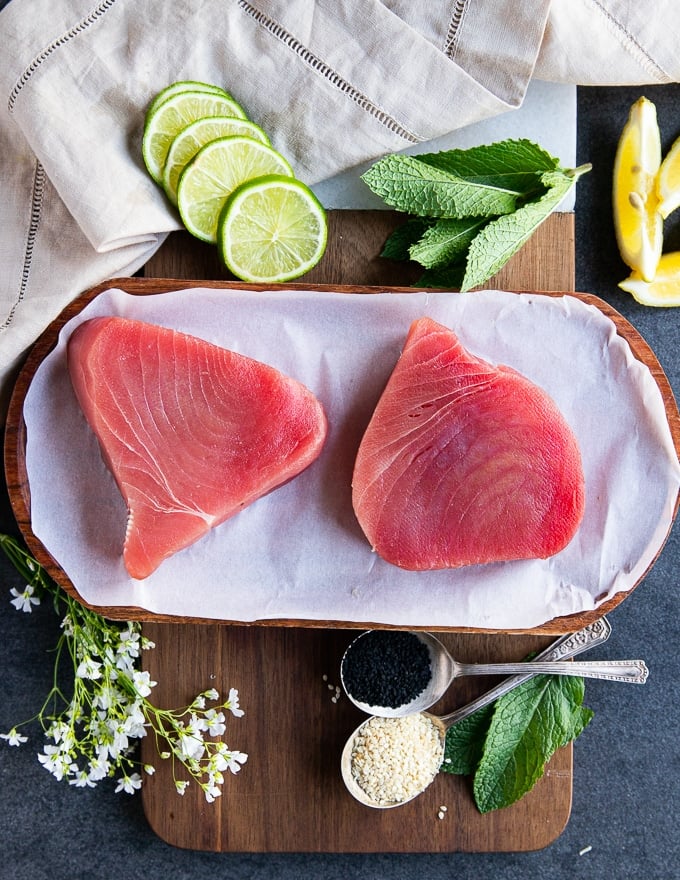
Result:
[
  {"x": 633, "y": 671},
  {"x": 569, "y": 645}
]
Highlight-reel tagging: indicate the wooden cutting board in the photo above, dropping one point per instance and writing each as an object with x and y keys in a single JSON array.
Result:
[{"x": 289, "y": 796}]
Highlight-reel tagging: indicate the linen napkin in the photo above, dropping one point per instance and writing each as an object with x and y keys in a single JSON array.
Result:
[{"x": 334, "y": 82}]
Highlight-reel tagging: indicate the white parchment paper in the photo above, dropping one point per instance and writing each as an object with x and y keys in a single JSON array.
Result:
[{"x": 299, "y": 552}]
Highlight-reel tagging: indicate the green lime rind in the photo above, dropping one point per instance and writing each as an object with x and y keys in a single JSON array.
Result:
[
  {"x": 272, "y": 229},
  {"x": 215, "y": 172},
  {"x": 196, "y": 136},
  {"x": 176, "y": 113},
  {"x": 184, "y": 85}
]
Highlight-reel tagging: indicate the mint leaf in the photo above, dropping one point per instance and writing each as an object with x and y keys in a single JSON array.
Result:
[
  {"x": 504, "y": 236},
  {"x": 449, "y": 278},
  {"x": 528, "y": 725},
  {"x": 511, "y": 164},
  {"x": 398, "y": 243},
  {"x": 444, "y": 242},
  {"x": 465, "y": 742},
  {"x": 407, "y": 184}
]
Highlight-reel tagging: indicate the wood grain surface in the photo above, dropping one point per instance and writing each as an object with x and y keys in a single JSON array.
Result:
[{"x": 289, "y": 795}]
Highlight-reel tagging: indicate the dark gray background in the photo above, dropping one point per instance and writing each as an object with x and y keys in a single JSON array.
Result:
[{"x": 626, "y": 789}]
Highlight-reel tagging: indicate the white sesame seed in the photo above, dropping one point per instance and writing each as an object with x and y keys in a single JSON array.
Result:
[
  {"x": 325, "y": 677},
  {"x": 395, "y": 758},
  {"x": 586, "y": 849}
]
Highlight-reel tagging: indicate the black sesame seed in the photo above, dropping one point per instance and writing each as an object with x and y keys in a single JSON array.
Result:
[{"x": 386, "y": 668}]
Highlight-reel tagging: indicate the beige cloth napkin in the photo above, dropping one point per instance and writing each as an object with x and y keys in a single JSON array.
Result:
[{"x": 334, "y": 83}]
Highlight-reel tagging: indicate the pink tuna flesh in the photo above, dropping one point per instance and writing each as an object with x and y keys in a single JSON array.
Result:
[
  {"x": 464, "y": 462},
  {"x": 191, "y": 432}
]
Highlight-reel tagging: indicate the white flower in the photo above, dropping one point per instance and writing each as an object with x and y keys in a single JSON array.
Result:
[
  {"x": 107, "y": 696},
  {"x": 181, "y": 785},
  {"x": 89, "y": 668},
  {"x": 14, "y": 738},
  {"x": 24, "y": 601},
  {"x": 82, "y": 779},
  {"x": 129, "y": 642},
  {"x": 62, "y": 734},
  {"x": 211, "y": 694},
  {"x": 213, "y": 722},
  {"x": 190, "y": 741},
  {"x": 99, "y": 765},
  {"x": 233, "y": 760},
  {"x": 57, "y": 762},
  {"x": 232, "y": 703},
  {"x": 135, "y": 720},
  {"x": 149, "y": 769},
  {"x": 129, "y": 784},
  {"x": 142, "y": 682},
  {"x": 199, "y": 702},
  {"x": 119, "y": 738},
  {"x": 211, "y": 792}
]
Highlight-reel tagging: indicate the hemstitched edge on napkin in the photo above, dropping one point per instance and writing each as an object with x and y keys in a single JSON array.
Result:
[
  {"x": 39, "y": 179},
  {"x": 280, "y": 33},
  {"x": 77, "y": 29},
  {"x": 454, "y": 27},
  {"x": 629, "y": 42}
]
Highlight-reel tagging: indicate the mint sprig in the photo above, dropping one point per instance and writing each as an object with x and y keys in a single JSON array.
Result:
[
  {"x": 472, "y": 209},
  {"x": 507, "y": 746},
  {"x": 409, "y": 184}
]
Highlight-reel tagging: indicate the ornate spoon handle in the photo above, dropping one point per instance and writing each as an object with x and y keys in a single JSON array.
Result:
[
  {"x": 566, "y": 646},
  {"x": 633, "y": 671}
]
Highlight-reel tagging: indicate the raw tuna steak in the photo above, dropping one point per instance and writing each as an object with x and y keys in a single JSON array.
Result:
[
  {"x": 464, "y": 462},
  {"x": 191, "y": 432}
]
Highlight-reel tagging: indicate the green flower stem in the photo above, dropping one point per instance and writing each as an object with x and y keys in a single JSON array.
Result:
[{"x": 109, "y": 705}]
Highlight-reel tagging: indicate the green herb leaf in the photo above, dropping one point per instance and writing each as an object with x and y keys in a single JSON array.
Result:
[
  {"x": 398, "y": 243},
  {"x": 407, "y": 184},
  {"x": 504, "y": 236},
  {"x": 444, "y": 242},
  {"x": 465, "y": 743},
  {"x": 449, "y": 278},
  {"x": 514, "y": 184},
  {"x": 510, "y": 164},
  {"x": 528, "y": 725}
]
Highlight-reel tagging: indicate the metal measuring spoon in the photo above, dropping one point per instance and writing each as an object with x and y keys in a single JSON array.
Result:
[
  {"x": 565, "y": 647},
  {"x": 444, "y": 669}
]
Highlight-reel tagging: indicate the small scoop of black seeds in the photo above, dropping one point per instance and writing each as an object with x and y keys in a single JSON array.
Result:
[{"x": 386, "y": 668}]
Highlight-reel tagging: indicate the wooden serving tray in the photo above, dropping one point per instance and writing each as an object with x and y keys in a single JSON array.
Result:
[{"x": 15, "y": 441}]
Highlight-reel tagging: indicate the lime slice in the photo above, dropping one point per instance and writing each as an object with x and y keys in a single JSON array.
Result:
[
  {"x": 272, "y": 229},
  {"x": 637, "y": 221},
  {"x": 190, "y": 140},
  {"x": 169, "y": 118},
  {"x": 215, "y": 172},
  {"x": 185, "y": 85}
]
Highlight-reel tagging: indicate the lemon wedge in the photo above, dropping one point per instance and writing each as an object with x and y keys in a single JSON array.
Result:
[
  {"x": 637, "y": 221},
  {"x": 663, "y": 290},
  {"x": 668, "y": 181}
]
